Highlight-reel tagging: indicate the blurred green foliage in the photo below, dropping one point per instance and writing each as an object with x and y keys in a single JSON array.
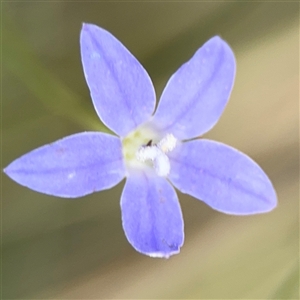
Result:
[
  {"x": 55, "y": 248},
  {"x": 57, "y": 97}
]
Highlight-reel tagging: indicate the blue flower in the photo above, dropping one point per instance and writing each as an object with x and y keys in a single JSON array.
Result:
[{"x": 153, "y": 151}]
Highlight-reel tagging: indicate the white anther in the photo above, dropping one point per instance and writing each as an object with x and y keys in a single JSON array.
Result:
[
  {"x": 147, "y": 153},
  {"x": 168, "y": 143},
  {"x": 161, "y": 164},
  {"x": 157, "y": 154}
]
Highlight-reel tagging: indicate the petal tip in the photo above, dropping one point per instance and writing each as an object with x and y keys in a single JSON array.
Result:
[
  {"x": 220, "y": 42},
  {"x": 84, "y": 26},
  {"x": 87, "y": 25},
  {"x": 162, "y": 254},
  {"x": 89, "y": 28},
  {"x": 7, "y": 170},
  {"x": 166, "y": 253},
  {"x": 273, "y": 202},
  {"x": 215, "y": 38}
]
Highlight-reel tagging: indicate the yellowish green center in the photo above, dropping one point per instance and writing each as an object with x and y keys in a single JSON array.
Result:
[
  {"x": 144, "y": 148},
  {"x": 132, "y": 143}
]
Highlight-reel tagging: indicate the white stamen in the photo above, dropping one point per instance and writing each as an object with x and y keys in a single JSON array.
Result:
[
  {"x": 161, "y": 164},
  {"x": 168, "y": 143},
  {"x": 157, "y": 154},
  {"x": 147, "y": 153}
]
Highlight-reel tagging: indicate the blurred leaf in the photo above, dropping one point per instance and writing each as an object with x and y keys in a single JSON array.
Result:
[
  {"x": 58, "y": 98},
  {"x": 289, "y": 289},
  {"x": 252, "y": 25}
]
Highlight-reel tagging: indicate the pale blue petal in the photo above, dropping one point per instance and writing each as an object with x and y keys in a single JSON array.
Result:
[
  {"x": 197, "y": 93},
  {"x": 151, "y": 215},
  {"x": 121, "y": 89},
  {"x": 74, "y": 166},
  {"x": 222, "y": 177}
]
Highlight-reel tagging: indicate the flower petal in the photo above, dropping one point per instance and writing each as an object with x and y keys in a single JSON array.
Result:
[
  {"x": 74, "y": 166},
  {"x": 121, "y": 89},
  {"x": 196, "y": 95},
  {"x": 222, "y": 177},
  {"x": 151, "y": 215}
]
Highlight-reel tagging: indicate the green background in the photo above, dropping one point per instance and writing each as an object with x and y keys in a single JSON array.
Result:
[{"x": 75, "y": 249}]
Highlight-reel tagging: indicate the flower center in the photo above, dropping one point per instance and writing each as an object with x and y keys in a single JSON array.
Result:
[
  {"x": 157, "y": 154},
  {"x": 141, "y": 150}
]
